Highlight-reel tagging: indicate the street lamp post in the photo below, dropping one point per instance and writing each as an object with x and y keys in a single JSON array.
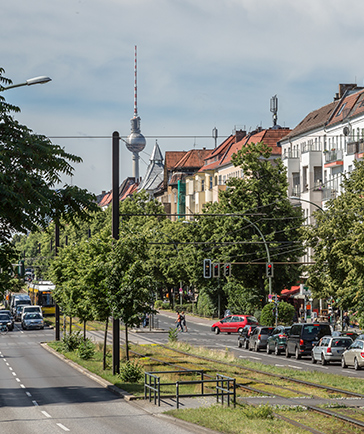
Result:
[{"x": 36, "y": 80}]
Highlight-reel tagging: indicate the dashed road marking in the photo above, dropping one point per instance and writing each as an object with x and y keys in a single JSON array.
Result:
[
  {"x": 35, "y": 403},
  {"x": 28, "y": 394},
  {"x": 46, "y": 414},
  {"x": 63, "y": 427}
]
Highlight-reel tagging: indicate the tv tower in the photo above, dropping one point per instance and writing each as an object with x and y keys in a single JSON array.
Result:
[{"x": 135, "y": 141}]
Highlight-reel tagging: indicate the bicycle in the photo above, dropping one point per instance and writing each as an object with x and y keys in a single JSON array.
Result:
[{"x": 3, "y": 329}]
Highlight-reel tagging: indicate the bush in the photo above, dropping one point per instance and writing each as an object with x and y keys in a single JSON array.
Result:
[
  {"x": 131, "y": 372},
  {"x": 70, "y": 342},
  {"x": 285, "y": 314},
  {"x": 205, "y": 306},
  {"x": 161, "y": 304},
  {"x": 86, "y": 349},
  {"x": 172, "y": 334}
]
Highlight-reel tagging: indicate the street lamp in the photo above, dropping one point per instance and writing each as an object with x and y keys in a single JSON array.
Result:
[{"x": 36, "y": 80}]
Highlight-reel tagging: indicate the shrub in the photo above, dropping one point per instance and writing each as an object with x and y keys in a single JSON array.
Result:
[
  {"x": 131, "y": 372},
  {"x": 70, "y": 342},
  {"x": 285, "y": 314},
  {"x": 172, "y": 334},
  {"x": 86, "y": 349}
]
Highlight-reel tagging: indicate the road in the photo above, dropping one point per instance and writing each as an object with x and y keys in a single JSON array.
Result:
[
  {"x": 39, "y": 393},
  {"x": 200, "y": 334}
]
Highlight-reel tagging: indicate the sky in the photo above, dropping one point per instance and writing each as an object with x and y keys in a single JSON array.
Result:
[{"x": 202, "y": 64}]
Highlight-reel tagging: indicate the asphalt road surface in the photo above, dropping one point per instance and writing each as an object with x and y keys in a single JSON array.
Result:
[{"x": 39, "y": 393}]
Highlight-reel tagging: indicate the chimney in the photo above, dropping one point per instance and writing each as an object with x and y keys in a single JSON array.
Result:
[
  {"x": 239, "y": 135},
  {"x": 344, "y": 87}
]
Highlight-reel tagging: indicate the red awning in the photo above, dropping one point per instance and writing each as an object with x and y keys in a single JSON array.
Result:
[{"x": 288, "y": 292}]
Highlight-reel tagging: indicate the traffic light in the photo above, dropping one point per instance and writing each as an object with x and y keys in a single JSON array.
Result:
[
  {"x": 207, "y": 268},
  {"x": 21, "y": 268},
  {"x": 227, "y": 269},
  {"x": 216, "y": 269},
  {"x": 269, "y": 269}
]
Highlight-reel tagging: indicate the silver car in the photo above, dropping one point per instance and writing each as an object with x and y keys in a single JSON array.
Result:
[
  {"x": 330, "y": 349},
  {"x": 354, "y": 355}
]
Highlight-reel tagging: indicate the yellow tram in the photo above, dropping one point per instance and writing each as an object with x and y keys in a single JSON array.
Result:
[{"x": 41, "y": 294}]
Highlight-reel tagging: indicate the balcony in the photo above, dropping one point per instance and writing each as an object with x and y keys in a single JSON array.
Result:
[
  {"x": 296, "y": 191},
  {"x": 318, "y": 186},
  {"x": 291, "y": 154},
  {"x": 333, "y": 158},
  {"x": 329, "y": 193},
  {"x": 312, "y": 147}
]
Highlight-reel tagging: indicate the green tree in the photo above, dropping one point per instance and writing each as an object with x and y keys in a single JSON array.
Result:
[
  {"x": 258, "y": 199},
  {"x": 337, "y": 239},
  {"x": 285, "y": 314},
  {"x": 31, "y": 170}
]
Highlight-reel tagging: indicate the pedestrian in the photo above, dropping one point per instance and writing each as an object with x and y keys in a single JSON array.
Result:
[
  {"x": 179, "y": 322},
  {"x": 183, "y": 321},
  {"x": 346, "y": 321}
]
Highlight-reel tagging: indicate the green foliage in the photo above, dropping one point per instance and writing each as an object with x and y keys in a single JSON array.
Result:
[
  {"x": 158, "y": 304},
  {"x": 285, "y": 314},
  {"x": 239, "y": 299},
  {"x": 172, "y": 334},
  {"x": 131, "y": 372},
  {"x": 86, "y": 349},
  {"x": 72, "y": 341},
  {"x": 205, "y": 304}
]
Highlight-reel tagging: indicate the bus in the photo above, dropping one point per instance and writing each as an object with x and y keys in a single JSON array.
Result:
[{"x": 41, "y": 294}]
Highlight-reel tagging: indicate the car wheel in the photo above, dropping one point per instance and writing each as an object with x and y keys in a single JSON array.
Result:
[
  {"x": 356, "y": 364},
  {"x": 246, "y": 344},
  {"x": 313, "y": 360},
  {"x": 277, "y": 351},
  {"x": 323, "y": 360},
  {"x": 240, "y": 344},
  {"x": 268, "y": 349},
  {"x": 297, "y": 354},
  {"x": 217, "y": 330},
  {"x": 256, "y": 347},
  {"x": 287, "y": 353},
  {"x": 240, "y": 330},
  {"x": 343, "y": 364},
  {"x": 249, "y": 347}
]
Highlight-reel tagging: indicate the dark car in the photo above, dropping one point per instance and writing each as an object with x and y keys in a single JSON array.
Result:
[
  {"x": 233, "y": 323},
  {"x": 349, "y": 334},
  {"x": 302, "y": 337},
  {"x": 10, "y": 316},
  {"x": 259, "y": 337},
  {"x": 32, "y": 321},
  {"x": 4, "y": 321},
  {"x": 243, "y": 338},
  {"x": 330, "y": 349},
  {"x": 277, "y": 340}
]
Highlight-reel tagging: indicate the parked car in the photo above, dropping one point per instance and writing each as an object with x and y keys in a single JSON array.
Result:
[
  {"x": 349, "y": 334},
  {"x": 354, "y": 355},
  {"x": 29, "y": 309},
  {"x": 277, "y": 340},
  {"x": 303, "y": 336},
  {"x": 32, "y": 321},
  {"x": 11, "y": 318},
  {"x": 4, "y": 320},
  {"x": 233, "y": 323},
  {"x": 330, "y": 349},
  {"x": 259, "y": 337},
  {"x": 243, "y": 338},
  {"x": 18, "y": 312}
]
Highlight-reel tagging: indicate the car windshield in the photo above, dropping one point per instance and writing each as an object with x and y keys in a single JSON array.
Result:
[
  {"x": 266, "y": 331},
  {"x": 251, "y": 320},
  {"x": 4, "y": 317},
  {"x": 32, "y": 316}
]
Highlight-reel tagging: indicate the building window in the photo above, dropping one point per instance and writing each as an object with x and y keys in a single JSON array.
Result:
[
  {"x": 210, "y": 182},
  {"x": 202, "y": 185},
  {"x": 220, "y": 180}
]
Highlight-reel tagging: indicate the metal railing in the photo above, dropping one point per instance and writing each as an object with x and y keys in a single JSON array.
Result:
[{"x": 224, "y": 387}]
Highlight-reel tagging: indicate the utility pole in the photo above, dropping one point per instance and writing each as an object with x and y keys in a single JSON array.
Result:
[
  {"x": 57, "y": 327},
  {"x": 115, "y": 236}
]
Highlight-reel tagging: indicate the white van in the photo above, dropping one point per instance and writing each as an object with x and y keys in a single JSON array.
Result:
[{"x": 31, "y": 309}]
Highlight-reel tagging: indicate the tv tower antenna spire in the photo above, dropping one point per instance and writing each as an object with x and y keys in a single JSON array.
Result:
[{"x": 136, "y": 141}]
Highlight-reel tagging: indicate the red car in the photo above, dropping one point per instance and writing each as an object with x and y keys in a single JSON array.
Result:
[{"x": 233, "y": 323}]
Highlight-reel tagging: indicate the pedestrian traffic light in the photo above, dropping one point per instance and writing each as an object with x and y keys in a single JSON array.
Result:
[
  {"x": 269, "y": 269},
  {"x": 207, "y": 268},
  {"x": 227, "y": 269},
  {"x": 216, "y": 269}
]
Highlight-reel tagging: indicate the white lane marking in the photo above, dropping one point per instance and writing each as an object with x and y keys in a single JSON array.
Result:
[
  {"x": 7, "y": 364},
  {"x": 294, "y": 367},
  {"x": 28, "y": 394},
  {"x": 63, "y": 427},
  {"x": 256, "y": 358},
  {"x": 17, "y": 379},
  {"x": 14, "y": 374},
  {"x": 46, "y": 414},
  {"x": 10, "y": 369},
  {"x": 22, "y": 386},
  {"x": 35, "y": 403}
]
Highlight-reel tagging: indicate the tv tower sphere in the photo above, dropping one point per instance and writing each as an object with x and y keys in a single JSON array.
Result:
[{"x": 135, "y": 141}]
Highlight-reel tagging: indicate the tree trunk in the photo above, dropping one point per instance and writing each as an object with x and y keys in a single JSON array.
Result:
[
  {"x": 105, "y": 341},
  {"x": 126, "y": 342},
  {"x": 84, "y": 330}
]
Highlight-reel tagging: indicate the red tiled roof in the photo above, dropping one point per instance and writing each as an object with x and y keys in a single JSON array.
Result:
[
  {"x": 130, "y": 190},
  {"x": 287, "y": 292},
  {"x": 106, "y": 199},
  {"x": 193, "y": 159},
  {"x": 352, "y": 106},
  {"x": 172, "y": 158}
]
